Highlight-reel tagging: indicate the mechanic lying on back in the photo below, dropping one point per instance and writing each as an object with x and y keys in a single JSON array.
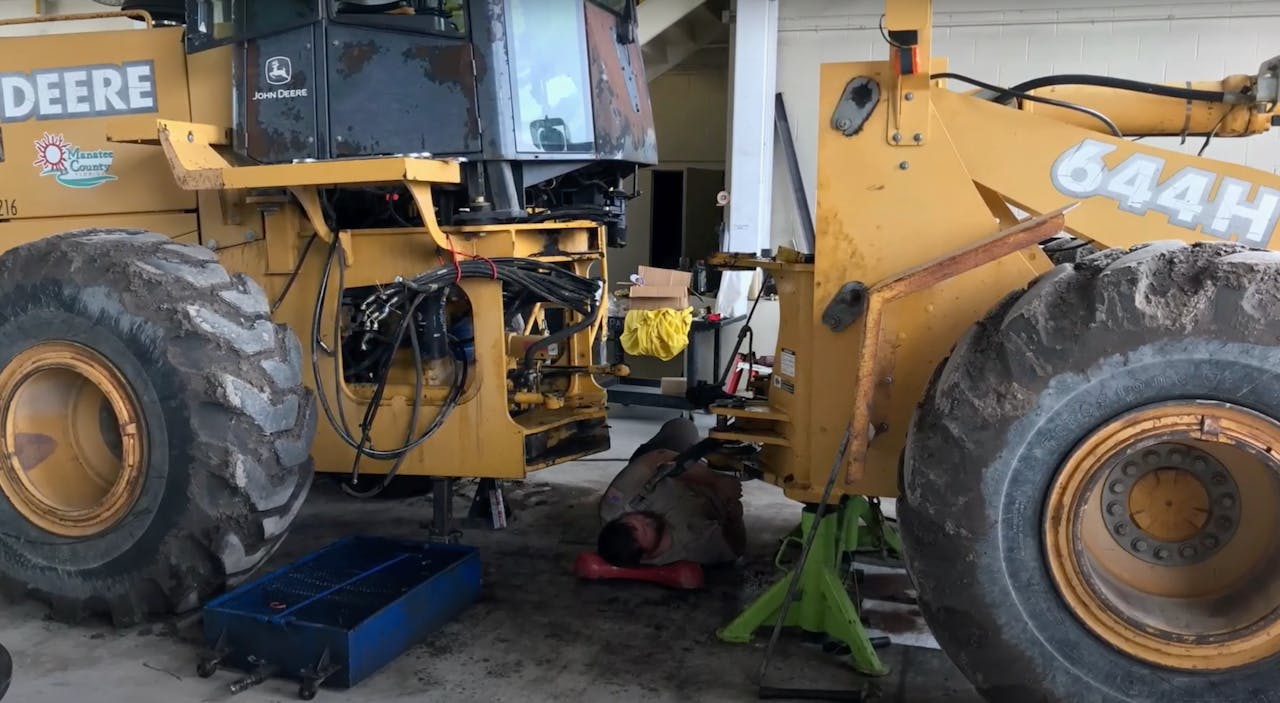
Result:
[{"x": 695, "y": 516}]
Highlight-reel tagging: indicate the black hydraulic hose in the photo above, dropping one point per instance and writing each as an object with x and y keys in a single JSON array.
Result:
[
  {"x": 1168, "y": 91},
  {"x": 587, "y": 320},
  {"x": 1111, "y": 126}
]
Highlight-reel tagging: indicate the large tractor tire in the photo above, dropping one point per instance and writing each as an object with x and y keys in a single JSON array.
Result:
[
  {"x": 1065, "y": 249},
  {"x": 155, "y": 427},
  {"x": 1091, "y": 505}
]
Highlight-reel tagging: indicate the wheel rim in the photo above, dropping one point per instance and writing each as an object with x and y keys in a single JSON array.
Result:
[
  {"x": 74, "y": 457},
  {"x": 1162, "y": 532}
]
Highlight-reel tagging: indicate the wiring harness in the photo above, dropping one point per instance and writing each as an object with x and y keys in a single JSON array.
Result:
[{"x": 416, "y": 308}]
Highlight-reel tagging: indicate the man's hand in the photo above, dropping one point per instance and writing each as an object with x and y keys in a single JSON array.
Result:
[{"x": 730, "y": 490}]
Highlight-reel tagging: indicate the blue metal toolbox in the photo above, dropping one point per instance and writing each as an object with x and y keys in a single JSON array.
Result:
[{"x": 340, "y": 614}]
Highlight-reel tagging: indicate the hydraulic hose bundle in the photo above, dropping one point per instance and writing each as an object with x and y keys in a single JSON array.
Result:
[{"x": 417, "y": 307}]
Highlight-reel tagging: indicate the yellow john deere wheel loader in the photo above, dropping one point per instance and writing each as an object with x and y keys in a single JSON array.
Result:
[
  {"x": 247, "y": 241},
  {"x": 1087, "y": 454},
  {"x": 374, "y": 233}
]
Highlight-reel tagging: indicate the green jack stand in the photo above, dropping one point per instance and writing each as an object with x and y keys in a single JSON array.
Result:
[{"x": 822, "y": 604}]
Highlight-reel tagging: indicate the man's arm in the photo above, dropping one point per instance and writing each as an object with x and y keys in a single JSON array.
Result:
[
  {"x": 727, "y": 488},
  {"x": 735, "y": 529},
  {"x": 630, "y": 481}
]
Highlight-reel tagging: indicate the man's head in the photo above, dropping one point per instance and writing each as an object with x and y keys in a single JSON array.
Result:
[{"x": 627, "y": 540}]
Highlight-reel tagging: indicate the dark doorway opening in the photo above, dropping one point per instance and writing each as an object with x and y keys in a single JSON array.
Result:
[{"x": 666, "y": 245}]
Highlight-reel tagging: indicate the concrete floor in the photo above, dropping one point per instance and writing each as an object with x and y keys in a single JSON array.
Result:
[{"x": 537, "y": 635}]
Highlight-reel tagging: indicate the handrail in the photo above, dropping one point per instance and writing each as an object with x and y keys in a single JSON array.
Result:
[{"x": 135, "y": 14}]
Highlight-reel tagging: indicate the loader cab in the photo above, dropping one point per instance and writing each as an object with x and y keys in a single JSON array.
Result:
[{"x": 527, "y": 92}]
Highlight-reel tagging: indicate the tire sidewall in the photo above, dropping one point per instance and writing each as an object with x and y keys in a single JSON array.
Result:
[
  {"x": 130, "y": 343},
  {"x": 1068, "y": 408}
]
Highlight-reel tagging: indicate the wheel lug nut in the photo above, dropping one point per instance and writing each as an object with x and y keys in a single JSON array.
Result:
[
  {"x": 1219, "y": 480},
  {"x": 1224, "y": 523},
  {"x": 1162, "y": 554},
  {"x": 1198, "y": 464},
  {"x": 1122, "y": 529},
  {"x": 1117, "y": 488},
  {"x": 1114, "y": 509},
  {"x": 1140, "y": 545},
  {"x": 1187, "y": 551},
  {"x": 1227, "y": 501},
  {"x": 1130, "y": 469},
  {"x": 1151, "y": 457},
  {"x": 1210, "y": 542}
]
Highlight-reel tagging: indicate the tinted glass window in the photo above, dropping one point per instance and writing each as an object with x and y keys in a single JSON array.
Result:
[
  {"x": 214, "y": 22},
  {"x": 257, "y": 17},
  {"x": 549, "y": 76},
  {"x": 440, "y": 17}
]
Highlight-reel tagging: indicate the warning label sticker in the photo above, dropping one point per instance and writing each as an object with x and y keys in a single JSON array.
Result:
[{"x": 787, "y": 363}]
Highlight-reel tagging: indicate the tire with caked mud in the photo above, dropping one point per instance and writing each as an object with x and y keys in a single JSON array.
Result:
[
  {"x": 1065, "y": 249},
  {"x": 1090, "y": 491},
  {"x": 156, "y": 429}
]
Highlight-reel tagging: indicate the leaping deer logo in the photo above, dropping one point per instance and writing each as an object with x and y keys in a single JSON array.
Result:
[{"x": 279, "y": 70}]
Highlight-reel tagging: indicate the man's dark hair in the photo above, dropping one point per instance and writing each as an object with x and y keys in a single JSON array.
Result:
[{"x": 618, "y": 545}]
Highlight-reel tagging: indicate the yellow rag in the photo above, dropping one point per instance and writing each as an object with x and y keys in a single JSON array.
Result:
[{"x": 663, "y": 333}]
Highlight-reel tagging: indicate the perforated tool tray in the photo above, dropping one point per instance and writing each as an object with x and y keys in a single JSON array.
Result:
[{"x": 337, "y": 616}]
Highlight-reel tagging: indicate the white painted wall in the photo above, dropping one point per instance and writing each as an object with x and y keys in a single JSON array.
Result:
[{"x": 1006, "y": 41}]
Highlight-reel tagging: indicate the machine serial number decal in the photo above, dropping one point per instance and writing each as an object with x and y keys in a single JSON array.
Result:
[
  {"x": 83, "y": 91},
  {"x": 8, "y": 208},
  {"x": 1136, "y": 185}
]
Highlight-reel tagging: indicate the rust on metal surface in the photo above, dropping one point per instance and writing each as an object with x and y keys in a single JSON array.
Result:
[
  {"x": 620, "y": 96},
  {"x": 354, "y": 56},
  {"x": 999, "y": 245},
  {"x": 450, "y": 65}
]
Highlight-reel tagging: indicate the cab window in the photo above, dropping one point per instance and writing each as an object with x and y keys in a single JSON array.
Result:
[
  {"x": 446, "y": 18},
  {"x": 212, "y": 23}
]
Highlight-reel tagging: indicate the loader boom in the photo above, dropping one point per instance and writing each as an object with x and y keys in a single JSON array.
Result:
[{"x": 935, "y": 170}]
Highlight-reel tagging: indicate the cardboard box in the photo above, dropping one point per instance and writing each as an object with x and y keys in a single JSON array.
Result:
[{"x": 663, "y": 288}]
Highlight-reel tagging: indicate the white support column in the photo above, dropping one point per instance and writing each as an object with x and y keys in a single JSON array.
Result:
[{"x": 753, "y": 47}]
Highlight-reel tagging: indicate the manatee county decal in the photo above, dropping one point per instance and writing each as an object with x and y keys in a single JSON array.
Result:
[{"x": 70, "y": 165}]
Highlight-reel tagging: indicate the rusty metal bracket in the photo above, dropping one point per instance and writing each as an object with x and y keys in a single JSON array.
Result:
[
  {"x": 1005, "y": 242},
  {"x": 857, "y": 102}
]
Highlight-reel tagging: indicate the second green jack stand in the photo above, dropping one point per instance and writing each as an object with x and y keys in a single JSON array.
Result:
[{"x": 822, "y": 602}]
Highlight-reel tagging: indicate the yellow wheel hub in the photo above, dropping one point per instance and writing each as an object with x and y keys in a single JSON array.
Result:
[
  {"x": 1169, "y": 504},
  {"x": 1163, "y": 535},
  {"x": 73, "y": 459}
]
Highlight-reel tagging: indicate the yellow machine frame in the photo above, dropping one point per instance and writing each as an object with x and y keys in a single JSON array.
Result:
[
  {"x": 935, "y": 171},
  {"x": 245, "y": 214}
]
